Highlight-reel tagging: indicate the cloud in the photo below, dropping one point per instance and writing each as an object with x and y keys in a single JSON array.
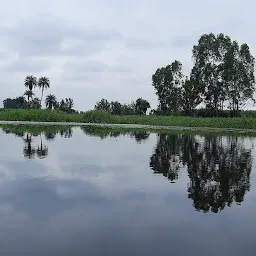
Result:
[{"x": 101, "y": 49}]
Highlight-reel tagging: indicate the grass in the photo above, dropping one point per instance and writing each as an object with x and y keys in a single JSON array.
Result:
[{"x": 94, "y": 116}]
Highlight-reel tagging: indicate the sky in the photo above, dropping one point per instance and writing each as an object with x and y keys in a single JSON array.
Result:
[{"x": 109, "y": 49}]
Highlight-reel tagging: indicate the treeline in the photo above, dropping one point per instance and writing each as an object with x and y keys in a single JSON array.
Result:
[
  {"x": 28, "y": 101},
  {"x": 222, "y": 78},
  {"x": 139, "y": 107}
]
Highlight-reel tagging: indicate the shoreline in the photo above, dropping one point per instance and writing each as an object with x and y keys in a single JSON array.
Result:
[{"x": 131, "y": 126}]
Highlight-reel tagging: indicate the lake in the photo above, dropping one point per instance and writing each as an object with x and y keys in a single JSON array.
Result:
[{"x": 94, "y": 191}]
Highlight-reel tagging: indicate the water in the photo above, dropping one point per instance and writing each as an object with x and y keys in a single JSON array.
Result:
[{"x": 87, "y": 191}]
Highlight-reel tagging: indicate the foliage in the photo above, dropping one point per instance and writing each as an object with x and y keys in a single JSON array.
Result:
[
  {"x": 103, "y": 104},
  {"x": 97, "y": 116},
  {"x": 141, "y": 106},
  {"x": 50, "y": 101},
  {"x": 30, "y": 82},
  {"x": 43, "y": 83}
]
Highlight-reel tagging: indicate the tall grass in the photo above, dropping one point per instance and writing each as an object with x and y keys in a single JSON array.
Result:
[{"x": 95, "y": 116}]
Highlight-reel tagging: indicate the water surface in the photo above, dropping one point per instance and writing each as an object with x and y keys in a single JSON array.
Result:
[{"x": 93, "y": 191}]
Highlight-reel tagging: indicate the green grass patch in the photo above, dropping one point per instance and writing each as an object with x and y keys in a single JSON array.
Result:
[{"x": 95, "y": 116}]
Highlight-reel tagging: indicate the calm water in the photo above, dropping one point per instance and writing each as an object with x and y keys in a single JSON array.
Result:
[{"x": 91, "y": 192}]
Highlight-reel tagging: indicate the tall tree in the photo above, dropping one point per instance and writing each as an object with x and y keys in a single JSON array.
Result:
[
  {"x": 238, "y": 75},
  {"x": 167, "y": 82},
  {"x": 208, "y": 57},
  {"x": 191, "y": 96},
  {"x": 50, "y": 101},
  {"x": 141, "y": 106},
  {"x": 30, "y": 82},
  {"x": 43, "y": 83}
]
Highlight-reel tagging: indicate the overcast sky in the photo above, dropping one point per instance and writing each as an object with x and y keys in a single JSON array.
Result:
[{"x": 109, "y": 49}]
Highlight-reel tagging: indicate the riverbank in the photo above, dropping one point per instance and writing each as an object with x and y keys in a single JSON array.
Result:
[{"x": 101, "y": 118}]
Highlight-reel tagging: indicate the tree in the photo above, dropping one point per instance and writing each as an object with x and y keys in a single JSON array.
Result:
[
  {"x": 167, "y": 82},
  {"x": 224, "y": 71},
  {"x": 103, "y": 104},
  {"x": 115, "y": 108},
  {"x": 50, "y": 101},
  {"x": 18, "y": 102},
  {"x": 141, "y": 106},
  {"x": 29, "y": 94},
  {"x": 35, "y": 103},
  {"x": 191, "y": 96},
  {"x": 238, "y": 75},
  {"x": 30, "y": 82},
  {"x": 43, "y": 83},
  {"x": 69, "y": 103}
]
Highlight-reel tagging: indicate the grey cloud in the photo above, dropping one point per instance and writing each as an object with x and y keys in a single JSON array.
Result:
[
  {"x": 142, "y": 43},
  {"x": 44, "y": 36},
  {"x": 26, "y": 65}
]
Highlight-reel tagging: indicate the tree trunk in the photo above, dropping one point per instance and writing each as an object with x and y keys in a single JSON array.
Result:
[{"x": 42, "y": 96}]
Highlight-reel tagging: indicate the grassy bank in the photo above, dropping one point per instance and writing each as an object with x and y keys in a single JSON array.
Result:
[{"x": 102, "y": 117}]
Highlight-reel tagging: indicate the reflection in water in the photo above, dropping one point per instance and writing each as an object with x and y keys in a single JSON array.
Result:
[
  {"x": 218, "y": 167},
  {"x": 28, "y": 134},
  {"x": 104, "y": 133}
]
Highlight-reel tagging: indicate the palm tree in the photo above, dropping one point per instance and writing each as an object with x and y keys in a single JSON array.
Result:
[
  {"x": 50, "y": 101},
  {"x": 30, "y": 82},
  {"x": 43, "y": 83},
  {"x": 42, "y": 150},
  {"x": 29, "y": 94}
]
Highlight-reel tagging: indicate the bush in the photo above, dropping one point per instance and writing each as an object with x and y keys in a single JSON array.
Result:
[{"x": 97, "y": 116}]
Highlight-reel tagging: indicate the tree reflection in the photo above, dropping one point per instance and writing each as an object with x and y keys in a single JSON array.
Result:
[
  {"x": 105, "y": 132},
  {"x": 218, "y": 167},
  {"x": 166, "y": 158},
  {"x": 32, "y": 148}
]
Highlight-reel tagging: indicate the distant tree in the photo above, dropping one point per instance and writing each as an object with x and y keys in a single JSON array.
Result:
[
  {"x": 35, "y": 103},
  {"x": 29, "y": 94},
  {"x": 30, "y": 82},
  {"x": 43, "y": 83},
  {"x": 115, "y": 108},
  {"x": 50, "y": 101},
  {"x": 141, "y": 106},
  {"x": 16, "y": 103},
  {"x": 103, "y": 104},
  {"x": 129, "y": 109},
  {"x": 167, "y": 82}
]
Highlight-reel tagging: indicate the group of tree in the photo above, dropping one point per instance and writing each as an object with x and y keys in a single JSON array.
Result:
[
  {"x": 27, "y": 100},
  {"x": 139, "y": 107},
  {"x": 222, "y": 77}
]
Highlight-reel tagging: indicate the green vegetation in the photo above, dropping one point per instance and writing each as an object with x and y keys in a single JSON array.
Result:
[{"x": 97, "y": 116}]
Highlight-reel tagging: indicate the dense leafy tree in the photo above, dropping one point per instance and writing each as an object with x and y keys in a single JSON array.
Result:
[
  {"x": 43, "y": 83},
  {"x": 141, "y": 106},
  {"x": 191, "y": 96},
  {"x": 116, "y": 108},
  {"x": 18, "y": 102},
  {"x": 167, "y": 82},
  {"x": 103, "y": 104},
  {"x": 50, "y": 101},
  {"x": 238, "y": 75},
  {"x": 224, "y": 71}
]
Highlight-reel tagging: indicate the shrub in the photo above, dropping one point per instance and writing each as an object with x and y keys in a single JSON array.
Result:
[{"x": 97, "y": 116}]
